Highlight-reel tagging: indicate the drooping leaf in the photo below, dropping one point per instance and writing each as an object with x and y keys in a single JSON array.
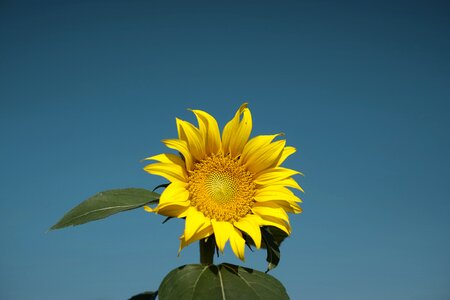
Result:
[
  {"x": 106, "y": 203},
  {"x": 278, "y": 235},
  {"x": 145, "y": 296},
  {"x": 224, "y": 281},
  {"x": 272, "y": 248},
  {"x": 272, "y": 237}
]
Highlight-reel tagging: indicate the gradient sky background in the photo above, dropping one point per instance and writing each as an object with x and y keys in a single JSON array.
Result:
[{"x": 362, "y": 89}]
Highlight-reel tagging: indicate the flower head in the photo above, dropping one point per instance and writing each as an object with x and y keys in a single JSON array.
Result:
[{"x": 227, "y": 186}]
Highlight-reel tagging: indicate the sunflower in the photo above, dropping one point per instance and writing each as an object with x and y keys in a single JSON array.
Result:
[{"x": 227, "y": 186}]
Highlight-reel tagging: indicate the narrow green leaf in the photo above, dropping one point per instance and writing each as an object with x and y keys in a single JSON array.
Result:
[
  {"x": 106, "y": 203},
  {"x": 224, "y": 281}
]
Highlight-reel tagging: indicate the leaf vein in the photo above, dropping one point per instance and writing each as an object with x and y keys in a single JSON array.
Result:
[
  {"x": 221, "y": 285},
  {"x": 198, "y": 278},
  {"x": 243, "y": 279},
  {"x": 102, "y": 209}
]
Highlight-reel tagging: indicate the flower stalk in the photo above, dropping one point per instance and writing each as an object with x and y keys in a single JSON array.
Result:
[{"x": 207, "y": 249}]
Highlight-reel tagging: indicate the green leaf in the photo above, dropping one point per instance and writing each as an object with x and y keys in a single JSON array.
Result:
[
  {"x": 145, "y": 296},
  {"x": 277, "y": 234},
  {"x": 272, "y": 237},
  {"x": 224, "y": 281},
  {"x": 272, "y": 240},
  {"x": 105, "y": 204}
]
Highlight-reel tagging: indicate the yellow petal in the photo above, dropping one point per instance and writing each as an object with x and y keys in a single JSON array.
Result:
[
  {"x": 265, "y": 157},
  {"x": 173, "y": 210},
  {"x": 148, "y": 209},
  {"x": 266, "y": 209},
  {"x": 167, "y": 158},
  {"x": 170, "y": 171},
  {"x": 181, "y": 133},
  {"x": 275, "y": 192},
  {"x": 237, "y": 131},
  {"x": 209, "y": 130},
  {"x": 237, "y": 243},
  {"x": 193, "y": 137},
  {"x": 288, "y": 206},
  {"x": 289, "y": 182},
  {"x": 280, "y": 224},
  {"x": 250, "y": 225},
  {"x": 272, "y": 175},
  {"x": 174, "y": 194},
  {"x": 202, "y": 233},
  {"x": 206, "y": 226},
  {"x": 296, "y": 209},
  {"x": 182, "y": 147},
  {"x": 222, "y": 232},
  {"x": 286, "y": 153},
  {"x": 194, "y": 221},
  {"x": 255, "y": 144}
]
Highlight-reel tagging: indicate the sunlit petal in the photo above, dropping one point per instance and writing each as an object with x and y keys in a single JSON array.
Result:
[
  {"x": 205, "y": 231},
  {"x": 273, "y": 175},
  {"x": 271, "y": 210},
  {"x": 170, "y": 171},
  {"x": 167, "y": 158},
  {"x": 286, "y": 153},
  {"x": 209, "y": 130},
  {"x": 222, "y": 232},
  {"x": 250, "y": 225},
  {"x": 194, "y": 221},
  {"x": 237, "y": 132},
  {"x": 237, "y": 243},
  {"x": 193, "y": 138},
  {"x": 174, "y": 193},
  {"x": 265, "y": 157},
  {"x": 288, "y": 182},
  {"x": 173, "y": 210},
  {"x": 275, "y": 192},
  {"x": 254, "y": 145},
  {"x": 182, "y": 147}
]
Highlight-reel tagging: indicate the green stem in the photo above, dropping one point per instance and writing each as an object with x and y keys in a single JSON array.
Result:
[{"x": 207, "y": 249}]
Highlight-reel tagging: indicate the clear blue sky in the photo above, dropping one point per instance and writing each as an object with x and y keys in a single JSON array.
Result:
[{"x": 362, "y": 89}]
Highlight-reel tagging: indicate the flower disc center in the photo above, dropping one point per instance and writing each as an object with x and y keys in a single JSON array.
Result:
[{"x": 221, "y": 188}]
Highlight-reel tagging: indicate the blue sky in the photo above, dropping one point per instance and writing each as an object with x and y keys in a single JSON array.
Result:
[{"x": 362, "y": 89}]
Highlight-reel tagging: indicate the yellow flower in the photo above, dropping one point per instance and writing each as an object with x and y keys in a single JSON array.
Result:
[{"x": 226, "y": 186}]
